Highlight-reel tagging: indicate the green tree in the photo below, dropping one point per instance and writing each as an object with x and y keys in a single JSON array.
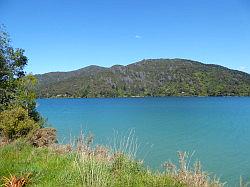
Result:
[
  {"x": 15, "y": 87},
  {"x": 12, "y": 63},
  {"x": 26, "y": 95}
]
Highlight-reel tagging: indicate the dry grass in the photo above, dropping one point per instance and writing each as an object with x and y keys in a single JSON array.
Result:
[
  {"x": 190, "y": 176},
  {"x": 243, "y": 184},
  {"x": 98, "y": 165},
  {"x": 13, "y": 181},
  {"x": 125, "y": 143}
]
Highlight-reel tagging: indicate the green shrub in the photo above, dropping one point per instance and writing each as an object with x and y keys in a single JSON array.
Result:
[{"x": 16, "y": 123}]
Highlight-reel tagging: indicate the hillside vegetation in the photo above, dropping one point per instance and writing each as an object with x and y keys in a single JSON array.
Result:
[{"x": 152, "y": 77}]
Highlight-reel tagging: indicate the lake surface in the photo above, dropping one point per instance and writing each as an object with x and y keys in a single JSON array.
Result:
[{"x": 216, "y": 128}]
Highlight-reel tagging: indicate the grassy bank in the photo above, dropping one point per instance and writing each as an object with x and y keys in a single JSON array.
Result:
[
  {"x": 83, "y": 165},
  {"x": 59, "y": 167}
]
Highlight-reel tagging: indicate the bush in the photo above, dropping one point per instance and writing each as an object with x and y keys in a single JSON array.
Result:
[
  {"x": 16, "y": 123},
  {"x": 43, "y": 137}
]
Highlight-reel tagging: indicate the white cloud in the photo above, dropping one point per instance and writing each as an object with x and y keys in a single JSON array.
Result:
[{"x": 138, "y": 36}]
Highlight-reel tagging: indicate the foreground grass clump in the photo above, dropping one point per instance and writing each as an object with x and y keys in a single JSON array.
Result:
[
  {"x": 191, "y": 176},
  {"x": 60, "y": 166}
]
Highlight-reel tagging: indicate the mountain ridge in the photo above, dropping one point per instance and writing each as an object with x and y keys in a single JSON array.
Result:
[{"x": 148, "y": 77}]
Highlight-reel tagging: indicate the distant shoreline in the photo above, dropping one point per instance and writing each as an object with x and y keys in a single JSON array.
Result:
[{"x": 133, "y": 97}]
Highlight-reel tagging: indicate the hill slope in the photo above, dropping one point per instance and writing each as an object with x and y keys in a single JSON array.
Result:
[{"x": 152, "y": 77}]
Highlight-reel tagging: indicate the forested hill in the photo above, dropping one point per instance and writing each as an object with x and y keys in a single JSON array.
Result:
[{"x": 152, "y": 77}]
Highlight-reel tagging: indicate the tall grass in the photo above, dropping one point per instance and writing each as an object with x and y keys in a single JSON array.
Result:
[
  {"x": 190, "y": 175},
  {"x": 84, "y": 164},
  {"x": 125, "y": 143},
  {"x": 244, "y": 184}
]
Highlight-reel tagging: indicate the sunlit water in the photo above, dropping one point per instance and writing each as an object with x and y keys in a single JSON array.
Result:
[{"x": 217, "y": 129}]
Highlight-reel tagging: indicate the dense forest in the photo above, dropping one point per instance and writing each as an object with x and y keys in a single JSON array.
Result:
[{"x": 152, "y": 77}]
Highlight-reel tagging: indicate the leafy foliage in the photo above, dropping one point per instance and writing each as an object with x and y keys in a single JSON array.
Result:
[
  {"x": 153, "y": 77},
  {"x": 26, "y": 96},
  {"x": 16, "y": 123},
  {"x": 15, "y": 87},
  {"x": 18, "y": 115},
  {"x": 12, "y": 63}
]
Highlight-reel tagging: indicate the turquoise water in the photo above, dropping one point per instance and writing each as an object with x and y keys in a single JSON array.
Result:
[{"x": 217, "y": 129}]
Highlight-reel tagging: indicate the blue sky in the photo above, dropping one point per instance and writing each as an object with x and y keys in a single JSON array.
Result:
[{"x": 62, "y": 35}]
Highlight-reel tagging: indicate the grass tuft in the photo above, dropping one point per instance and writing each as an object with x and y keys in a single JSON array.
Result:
[
  {"x": 190, "y": 176},
  {"x": 13, "y": 181}
]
